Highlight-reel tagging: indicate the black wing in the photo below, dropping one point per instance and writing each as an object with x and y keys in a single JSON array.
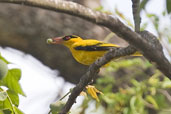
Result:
[{"x": 96, "y": 47}]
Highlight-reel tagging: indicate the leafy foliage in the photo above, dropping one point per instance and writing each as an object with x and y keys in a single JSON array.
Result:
[
  {"x": 135, "y": 93},
  {"x": 10, "y": 90}
]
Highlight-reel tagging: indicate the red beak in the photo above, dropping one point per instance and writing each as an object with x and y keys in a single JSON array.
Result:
[{"x": 57, "y": 40}]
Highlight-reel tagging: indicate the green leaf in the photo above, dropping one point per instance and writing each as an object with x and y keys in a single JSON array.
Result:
[
  {"x": 17, "y": 111},
  {"x": 5, "y": 104},
  {"x": 150, "y": 15},
  {"x": 151, "y": 100},
  {"x": 135, "y": 83},
  {"x": 56, "y": 107},
  {"x": 12, "y": 81},
  {"x": 168, "y": 6},
  {"x": 109, "y": 98},
  {"x": 6, "y": 111},
  {"x": 132, "y": 104},
  {"x": 100, "y": 8},
  {"x": 166, "y": 83},
  {"x": 161, "y": 100},
  {"x": 14, "y": 97},
  {"x": 3, "y": 95},
  {"x": 3, "y": 69}
]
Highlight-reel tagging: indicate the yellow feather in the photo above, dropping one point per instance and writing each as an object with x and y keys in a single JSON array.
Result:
[
  {"x": 87, "y": 51},
  {"x": 86, "y": 57}
]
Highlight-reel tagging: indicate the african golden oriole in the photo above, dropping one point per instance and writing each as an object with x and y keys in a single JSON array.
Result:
[{"x": 84, "y": 51}]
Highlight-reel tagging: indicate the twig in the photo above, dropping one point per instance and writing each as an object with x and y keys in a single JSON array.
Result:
[
  {"x": 136, "y": 14},
  {"x": 66, "y": 94}
]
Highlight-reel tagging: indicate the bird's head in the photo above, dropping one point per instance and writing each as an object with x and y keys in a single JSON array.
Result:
[{"x": 65, "y": 40}]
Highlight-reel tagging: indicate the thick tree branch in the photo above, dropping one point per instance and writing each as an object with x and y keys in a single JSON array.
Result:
[
  {"x": 93, "y": 70},
  {"x": 114, "y": 24}
]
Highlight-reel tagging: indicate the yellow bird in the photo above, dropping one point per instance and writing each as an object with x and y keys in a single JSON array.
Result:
[{"x": 84, "y": 51}]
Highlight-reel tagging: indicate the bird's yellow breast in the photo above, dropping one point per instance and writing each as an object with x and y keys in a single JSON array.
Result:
[{"x": 86, "y": 57}]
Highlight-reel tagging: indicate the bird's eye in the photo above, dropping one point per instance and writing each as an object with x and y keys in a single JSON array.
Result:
[
  {"x": 66, "y": 38},
  {"x": 69, "y": 37}
]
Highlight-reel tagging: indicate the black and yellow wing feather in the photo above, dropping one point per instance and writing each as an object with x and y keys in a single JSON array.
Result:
[
  {"x": 93, "y": 45},
  {"x": 87, "y": 51}
]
